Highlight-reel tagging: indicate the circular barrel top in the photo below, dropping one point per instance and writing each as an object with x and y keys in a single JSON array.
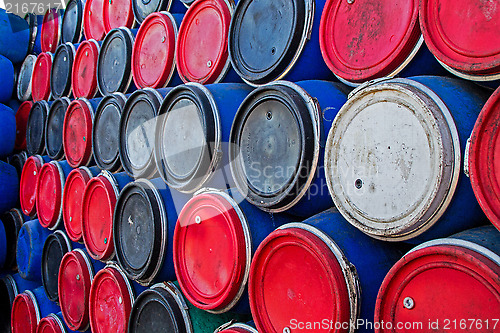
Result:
[
  {"x": 72, "y": 24},
  {"x": 54, "y": 128},
  {"x": 77, "y": 133},
  {"x": 40, "y": 81},
  {"x": 93, "y": 23},
  {"x": 62, "y": 65},
  {"x": 35, "y": 134},
  {"x": 84, "y": 71}
]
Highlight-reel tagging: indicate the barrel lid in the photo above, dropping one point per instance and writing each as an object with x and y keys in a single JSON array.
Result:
[
  {"x": 40, "y": 81},
  {"x": 77, "y": 132},
  {"x": 25, "y": 314},
  {"x": 75, "y": 279},
  {"x": 72, "y": 197},
  {"x": 27, "y": 186},
  {"x": 212, "y": 251},
  {"x": 153, "y": 61},
  {"x": 60, "y": 75},
  {"x": 188, "y": 137},
  {"x": 98, "y": 204},
  {"x": 357, "y": 51},
  {"x": 114, "y": 64},
  {"x": 279, "y": 28},
  {"x": 392, "y": 159},
  {"x": 143, "y": 8},
  {"x": 54, "y": 128},
  {"x": 84, "y": 72},
  {"x": 7, "y": 295},
  {"x": 277, "y": 288},
  {"x": 139, "y": 230},
  {"x": 72, "y": 23},
  {"x": 50, "y": 324},
  {"x": 426, "y": 282},
  {"x": 275, "y": 145},
  {"x": 118, "y": 13},
  {"x": 93, "y": 23},
  {"x": 51, "y": 30},
  {"x": 25, "y": 77},
  {"x": 137, "y": 133},
  {"x": 22, "y": 116},
  {"x": 49, "y": 195},
  {"x": 55, "y": 247},
  {"x": 464, "y": 36},
  {"x": 111, "y": 300},
  {"x": 105, "y": 132},
  {"x": 160, "y": 301},
  {"x": 202, "y": 48},
  {"x": 12, "y": 222},
  {"x": 17, "y": 161},
  {"x": 35, "y": 133}
]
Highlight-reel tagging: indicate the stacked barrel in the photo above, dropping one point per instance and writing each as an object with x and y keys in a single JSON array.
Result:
[{"x": 260, "y": 166}]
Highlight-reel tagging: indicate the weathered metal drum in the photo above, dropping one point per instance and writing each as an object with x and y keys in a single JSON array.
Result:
[
  {"x": 28, "y": 183},
  {"x": 106, "y": 132},
  {"x": 8, "y": 80},
  {"x": 76, "y": 273},
  {"x": 72, "y": 200},
  {"x": 60, "y": 75},
  {"x": 35, "y": 133},
  {"x": 143, "y": 229},
  {"x": 269, "y": 41},
  {"x": 118, "y": 13},
  {"x": 22, "y": 116},
  {"x": 93, "y": 23},
  {"x": 344, "y": 269},
  {"x": 143, "y": 9},
  {"x": 84, "y": 71},
  {"x": 13, "y": 28},
  {"x": 98, "y": 205},
  {"x": 9, "y": 187},
  {"x": 28, "y": 308},
  {"x": 394, "y": 158},
  {"x": 49, "y": 196},
  {"x": 40, "y": 81},
  {"x": 7, "y": 130},
  {"x": 54, "y": 128},
  {"x": 461, "y": 272},
  {"x": 111, "y": 298},
  {"x": 153, "y": 63},
  {"x": 482, "y": 159},
  {"x": 192, "y": 135},
  {"x": 29, "y": 250},
  {"x": 51, "y": 30},
  {"x": 72, "y": 23},
  {"x": 12, "y": 222},
  {"x": 276, "y": 145},
  {"x": 215, "y": 238},
  {"x": 202, "y": 52},
  {"x": 24, "y": 79}
]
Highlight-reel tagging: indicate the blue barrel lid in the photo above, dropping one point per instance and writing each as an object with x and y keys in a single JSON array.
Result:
[
  {"x": 60, "y": 73},
  {"x": 54, "y": 128},
  {"x": 72, "y": 24}
]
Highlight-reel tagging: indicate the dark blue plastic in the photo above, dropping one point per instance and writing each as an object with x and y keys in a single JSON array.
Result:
[
  {"x": 8, "y": 79},
  {"x": 487, "y": 236},
  {"x": 177, "y": 6},
  {"x": 45, "y": 306},
  {"x": 37, "y": 47},
  {"x": 9, "y": 187},
  {"x": 30, "y": 242},
  {"x": 23, "y": 284},
  {"x": 7, "y": 130},
  {"x": 122, "y": 179},
  {"x": 3, "y": 244},
  {"x": 176, "y": 79},
  {"x": 14, "y": 37}
]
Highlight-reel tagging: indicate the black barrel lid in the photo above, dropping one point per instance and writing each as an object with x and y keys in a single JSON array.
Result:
[
  {"x": 137, "y": 133},
  {"x": 105, "y": 132},
  {"x": 187, "y": 129},
  {"x": 60, "y": 74},
  {"x": 12, "y": 221},
  {"x": 17, "y": 161},
  {"x": 156, "y": 310},
  {"x": 54, "y": 249},
  {"x": 72, "y": 24},
  {"x": 35, "y": 130},
  {"x": 7, "y": 295},
  {"x": 142, "y": 8},
  {"x": 265, "y": 37},
  {"x": 272, "y": 146},
  {"x": 114, "y": 72},
  {"x": 24, "y": 78},
  {"x": 54, "y": 128},
  {"x": 137, "y": 230}
]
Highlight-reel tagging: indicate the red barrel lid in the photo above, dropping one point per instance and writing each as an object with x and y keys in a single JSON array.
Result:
[
  {"x": 40, "y": 86},
  {"x": 49, "y": 195},
  {"x": 72, "y": 197},
  {"x": 440, "y": 283},
  {"x": 28, "y": 183},
  {"x": 77, "y": 133},
  {"x": 210, "y": 251},
  {"x": 117, "y": 13},
  {"x": 84, "y": 73},
  {"x": 50, "y": 324},
  {"x": 51, "y": 31},
  {"x": 202, "y": 46},
  {"x": 362, "y": 40},
  {"x": 99, "y": 200},
  {"x": 93, "y": 24},
  {"x": 22, "y": 115},
  {"x": 294, "y": 275},
  {"x": 484, "y": 159},
  {"x": 154, "y": 51},
  {"x": 111, "y": 301},
  {"x": 75, "y": 279},
  {"x": 463, "y": 35},
  {"x": 25, "y": 315}
]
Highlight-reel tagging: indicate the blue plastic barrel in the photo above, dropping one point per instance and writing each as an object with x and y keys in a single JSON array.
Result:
[
  {"x": 3, "y": 244},
  {"x": 29, "y": 307},
  {"x": 8, "y": 130},
  {"x": 14, "y": 37},
  {"x": 9, "y": 187},
  {"x": 29, "y": 250},
  {"x": 8, "y": 79}
]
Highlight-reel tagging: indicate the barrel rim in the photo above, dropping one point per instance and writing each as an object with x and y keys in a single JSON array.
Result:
[
  {"x": 163, "y": 5},
  {"x": 64, "y": 102}
]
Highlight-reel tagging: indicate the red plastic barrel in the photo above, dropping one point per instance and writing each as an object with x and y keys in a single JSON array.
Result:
[
  {"x": 77, "y": 133},
  {"x": 50, "y": 324},
  {"x": 29, "y": 181},
  {"x": 154, "y": 51},
  {"x": 202, "y": 46},
  {"x": 40, "y": 86},
  {"x": 118, "y": 13},
  {"x": 84, "y": 73},
  {"x": 93, "y": 24},
  {"x": 22, "y": 115},
  {"x": 51, "y": 30}
]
